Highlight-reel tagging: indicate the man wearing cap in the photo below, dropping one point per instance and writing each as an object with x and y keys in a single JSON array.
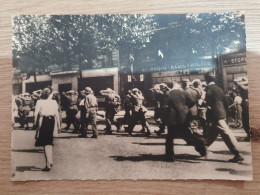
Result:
[
  {"x": 36, "y": 95},
  {"x": 160, "y": 93},
  {"x": 72, "y": 109},
  {"x": 112, "y": 105},
  {"x": 90, "y": 110},
  {"x": 216, "y": 115},
  {"x": 19, "y": 103},
  {"x": 197, "y": 85},
  {"x": 56, "y": 96},
  {"x": 138, "y": 112},
  {"x": 27, "y": 107}
]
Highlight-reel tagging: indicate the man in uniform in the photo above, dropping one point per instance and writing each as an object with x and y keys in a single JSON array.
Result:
[
  {"x": 138, "y": 112},
  {"x": 27, "y": 107},
  {"x": 112, "y": 106},
  {"x": 36, "y": 95},
  {"x": 91, "y": 107},
  {"x": 217, "y": 114},
  {"x": 56, "y": 96},
  {"x": 72, "y": 110},
  {"x": 160, "y": 93},
  {"x": 19, "y": 103}
]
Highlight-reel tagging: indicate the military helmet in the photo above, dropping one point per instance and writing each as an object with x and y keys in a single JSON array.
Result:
[{"x": 88, "y": 90}]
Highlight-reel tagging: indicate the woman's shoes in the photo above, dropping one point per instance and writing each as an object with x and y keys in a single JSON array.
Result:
[{"x": 46, "y": 169}]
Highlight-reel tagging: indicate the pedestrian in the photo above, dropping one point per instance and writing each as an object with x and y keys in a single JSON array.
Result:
[
  {"x": 242, "y": 84},
  {"x": 46, "y": 117},
  {"x": 177, "y": 118},
  {"x": 238, "y": 109},
  {"x": 91, "y": 107},
  {"x": 138, "y": 112},
  {"x": 216, "y": 115},
  {"x": 112, "y": 107},
  {"x": 72, "y": 110}
]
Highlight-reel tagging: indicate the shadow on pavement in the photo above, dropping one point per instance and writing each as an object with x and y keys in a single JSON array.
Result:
[
  {"x": 151, "y": 157},
  {"x": 27, "y": 168},
  {"x": 156, "y": 144},
  {"x": 234, "y": 172},
  {"x": 229, "y": 153},
  {"x": 29, "y": 150}
]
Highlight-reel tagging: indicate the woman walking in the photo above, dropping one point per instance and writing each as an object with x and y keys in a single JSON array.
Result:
[{"x": 45, "y": 119}]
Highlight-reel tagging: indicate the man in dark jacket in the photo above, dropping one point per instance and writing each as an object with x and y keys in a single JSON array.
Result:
[
  {"x": 217, "y": 115},
  {"x": 72, "y": 110},
  {"x": 179, "y": 104}
]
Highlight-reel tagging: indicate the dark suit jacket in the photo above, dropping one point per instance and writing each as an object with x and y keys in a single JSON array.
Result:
[
  {"x": 215, "y": 99},
  {"x": 194, "y": 96},
  {"x": 178, "y": 107}
]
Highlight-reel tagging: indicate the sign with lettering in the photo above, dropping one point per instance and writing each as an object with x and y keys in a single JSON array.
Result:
[{"x": 240, "y": 60}]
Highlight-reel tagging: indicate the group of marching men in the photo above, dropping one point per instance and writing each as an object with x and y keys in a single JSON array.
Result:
[
  {"x": 184, "y": 109},
  {"x": 86, "y": 103}
]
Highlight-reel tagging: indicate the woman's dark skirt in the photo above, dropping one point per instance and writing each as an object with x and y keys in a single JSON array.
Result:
[{"x": 46, "y": 132}]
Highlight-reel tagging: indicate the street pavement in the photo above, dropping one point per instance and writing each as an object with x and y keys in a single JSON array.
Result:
[{"x": 121, "y": 156}]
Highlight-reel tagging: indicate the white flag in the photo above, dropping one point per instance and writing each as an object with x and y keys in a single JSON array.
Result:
[{"x": 160, "y": 54}]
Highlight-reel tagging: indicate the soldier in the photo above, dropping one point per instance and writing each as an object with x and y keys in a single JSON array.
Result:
[
  {"x": 72, "y": 110},
  {"x": 91, "y": 106},
  {"x": 127, "y": 106},
  {"x": 82, "y": 109},
  {"x": 27, "y": 107},
  {"x": 217, "y": 116},
  {"x": 19, "y": 103},
  {"x": 112, "y": 106},
  {"x": 56, "y": 96},
  {"x": 197, "y": 86},
  {"x": 160, "y": 93},
  {"x": 242, "y": 84},
  {"x": 36, "y": 95},
  {"x": 138, "y": 112}
]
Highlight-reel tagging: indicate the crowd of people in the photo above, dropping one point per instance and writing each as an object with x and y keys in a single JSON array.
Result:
[{"x": 195, "y": 111}]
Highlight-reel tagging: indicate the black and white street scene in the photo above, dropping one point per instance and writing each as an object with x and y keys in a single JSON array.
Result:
[{"x": 130, "y": 96}]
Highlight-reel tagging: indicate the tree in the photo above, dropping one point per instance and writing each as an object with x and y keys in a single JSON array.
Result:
[
  {"x": 66, "y": 40},
  {"x": 216, "y": 32},
  {"x": 30, "y": 43}
]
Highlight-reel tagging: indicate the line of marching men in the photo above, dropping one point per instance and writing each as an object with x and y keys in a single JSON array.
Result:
[
  {"x": 86, "y": 103},
  {"x": 182, "y": 109}
]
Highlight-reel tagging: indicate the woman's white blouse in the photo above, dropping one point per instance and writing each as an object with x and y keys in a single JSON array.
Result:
[{"x": 46, "y": 107}]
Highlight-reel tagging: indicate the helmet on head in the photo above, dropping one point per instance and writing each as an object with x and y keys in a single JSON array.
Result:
[{"x": 88, "y": 90}]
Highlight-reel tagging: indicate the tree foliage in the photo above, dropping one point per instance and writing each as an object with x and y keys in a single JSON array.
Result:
[
  {"x": 217, "y": 32},
  {"x": 66, "y": 40}
]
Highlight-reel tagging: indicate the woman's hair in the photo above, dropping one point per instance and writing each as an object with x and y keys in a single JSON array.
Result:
[{"x": 46, "y": 93}]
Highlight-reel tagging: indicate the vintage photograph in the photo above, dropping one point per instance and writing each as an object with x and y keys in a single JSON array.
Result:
[{"x": 130, "y": 96}]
